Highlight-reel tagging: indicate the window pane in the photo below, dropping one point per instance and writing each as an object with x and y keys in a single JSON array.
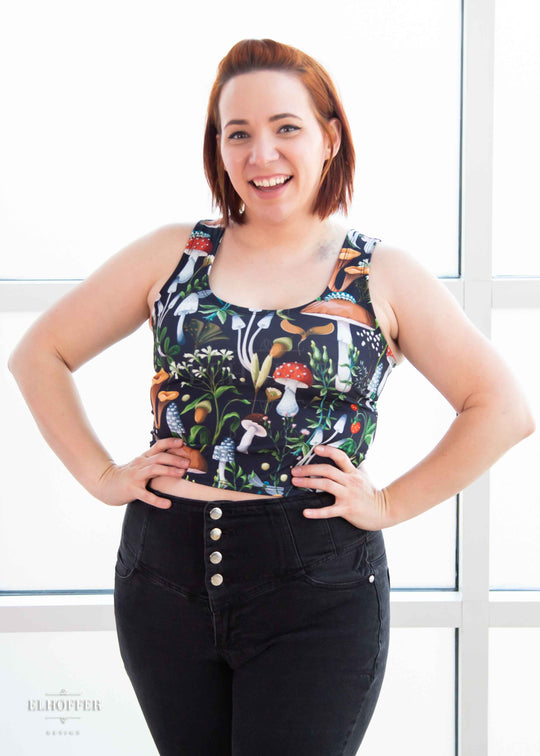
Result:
[
  {"x": 65, "y": 669},
  {"x": 54, "y": 534},
  {"x": 416, "y": 704},
  {"x": 515, "y": 502},
  {"x": 99, "y": 151},
  {"x": 413, "y": 416},
  {"x": 514, "y": 671},
  {"x": 516, "y": 153}
]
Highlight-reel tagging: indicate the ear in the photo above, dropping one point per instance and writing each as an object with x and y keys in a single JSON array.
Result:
[{"x": 335, "y": 127}]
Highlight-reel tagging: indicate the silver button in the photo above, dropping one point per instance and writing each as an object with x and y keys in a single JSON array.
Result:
[
  {"x": 216, "y": 579},
  {"x": 371, "y": 578},
  {"x": 215, "y": 534},
  {"x": 215, "y": 513},
  {"x": 216, "y": 557}
]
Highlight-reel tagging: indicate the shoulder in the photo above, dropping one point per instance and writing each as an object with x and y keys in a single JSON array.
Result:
[
  {"x": 399, "y": 277},
  {"x": 399, "y": 283}
]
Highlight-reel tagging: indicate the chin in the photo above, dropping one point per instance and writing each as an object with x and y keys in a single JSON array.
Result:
[{"x": 274, "y": 214}]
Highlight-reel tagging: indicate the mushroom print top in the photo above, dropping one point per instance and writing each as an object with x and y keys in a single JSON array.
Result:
[{"x": 250, "y": 391}]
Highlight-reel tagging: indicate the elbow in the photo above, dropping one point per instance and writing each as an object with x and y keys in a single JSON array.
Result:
[
  {"x": 18, "y": 357},
  {"x": 11, "y": 363},
  {"x": 529, "y": 424},
  {"x": 521, "y": 420}
]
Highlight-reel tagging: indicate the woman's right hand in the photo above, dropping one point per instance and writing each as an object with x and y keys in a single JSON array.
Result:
[{"x": 120, "y": 484}]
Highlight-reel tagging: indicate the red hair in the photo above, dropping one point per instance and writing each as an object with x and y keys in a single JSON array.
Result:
[{"x": 336, "y": 186}]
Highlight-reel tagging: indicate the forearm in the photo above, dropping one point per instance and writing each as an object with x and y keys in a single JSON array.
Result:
[
  {"x": 49, "y": 390},
  {"x": 476, "y": 439}
]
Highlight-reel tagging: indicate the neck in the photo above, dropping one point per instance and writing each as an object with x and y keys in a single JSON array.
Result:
[{"x": 299, "y": 233}]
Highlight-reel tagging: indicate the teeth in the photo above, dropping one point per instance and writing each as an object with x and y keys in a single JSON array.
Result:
[{"x": 272, "y": 181}]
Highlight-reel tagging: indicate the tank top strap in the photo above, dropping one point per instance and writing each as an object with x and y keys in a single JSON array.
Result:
[
  {"x": 354, "y": 261},
  {"x": 206, "y": 235}
]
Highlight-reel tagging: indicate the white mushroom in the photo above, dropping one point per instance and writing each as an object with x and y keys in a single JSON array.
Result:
[
  {"x": 252, "y": 425},
  {"x": 187, "y": 306}
]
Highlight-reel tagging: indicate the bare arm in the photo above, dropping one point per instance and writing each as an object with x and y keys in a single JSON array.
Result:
[
  {"x": 493, "y": 414},
  {"x": 56, "y": 407},
  {"x": 106, "y": 307}
]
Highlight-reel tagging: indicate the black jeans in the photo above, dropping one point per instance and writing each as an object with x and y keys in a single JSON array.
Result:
[{"x": 247, "y": 629}]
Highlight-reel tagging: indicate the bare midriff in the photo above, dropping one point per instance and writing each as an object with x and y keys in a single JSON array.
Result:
[{"x": 190, "y": 490}]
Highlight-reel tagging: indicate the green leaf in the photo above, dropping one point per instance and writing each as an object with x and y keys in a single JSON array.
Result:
[
  {"x": 221, "y": 390},
  {"x": 231, "y": 414},
  {"x": 193, "y": 432},
  {"x": 195, "y": 402}
]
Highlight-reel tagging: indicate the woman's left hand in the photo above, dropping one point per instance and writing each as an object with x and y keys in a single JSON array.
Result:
[{"x": 357, "y": 499}]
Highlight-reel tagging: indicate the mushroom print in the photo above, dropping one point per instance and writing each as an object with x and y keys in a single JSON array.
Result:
[
  {"x": 343, "y": 308},
  {"x": 293, "y": 375},
  {"x": 163, "y": 399},
  {"x": 157, "y": 381},
  {"x": 198, "y": 246},
  {"x": 174, "y": 421},
  {"x": 220, "y": 382},
  {"x": 197, "y": 463},
  {"x": 187, "y": 306},
  {"x": 224, "y": 453},
  {"x": 253, "y": 426}
]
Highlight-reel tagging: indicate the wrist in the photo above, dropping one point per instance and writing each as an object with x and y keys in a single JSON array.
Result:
[
  {"x": 95, "y": 486},
  {"x": 388, "y": 515}
]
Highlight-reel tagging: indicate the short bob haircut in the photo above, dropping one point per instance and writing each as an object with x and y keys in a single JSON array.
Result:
[{"x": 336, "y": 187}]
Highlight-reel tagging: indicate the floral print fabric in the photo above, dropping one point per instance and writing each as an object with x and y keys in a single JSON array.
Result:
[{"x": 250, "y": 391}]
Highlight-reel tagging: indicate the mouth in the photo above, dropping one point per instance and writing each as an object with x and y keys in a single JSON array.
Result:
[{"x": 266, "y": 187}]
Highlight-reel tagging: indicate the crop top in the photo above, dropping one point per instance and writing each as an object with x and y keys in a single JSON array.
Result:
[{"x": 252, "y": 391}]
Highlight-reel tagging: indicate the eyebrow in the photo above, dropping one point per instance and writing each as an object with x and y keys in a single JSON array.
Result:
[{"x": 243, "y": 122}]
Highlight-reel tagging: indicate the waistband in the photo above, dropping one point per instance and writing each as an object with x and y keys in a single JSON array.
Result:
[
  {"x": 341, "y": 533},
  {"x": 311, "y": 499}
]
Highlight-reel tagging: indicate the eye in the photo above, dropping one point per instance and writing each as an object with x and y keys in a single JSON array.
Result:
[
  {"x": 290, "y": 126},
  {"x": 236, "y": 134}
]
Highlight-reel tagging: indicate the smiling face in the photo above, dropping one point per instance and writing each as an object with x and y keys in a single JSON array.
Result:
[{"x": 269, "y": 132}]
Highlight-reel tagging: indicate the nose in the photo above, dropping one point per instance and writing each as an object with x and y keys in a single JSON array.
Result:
[{"x": 263, "y": 149}]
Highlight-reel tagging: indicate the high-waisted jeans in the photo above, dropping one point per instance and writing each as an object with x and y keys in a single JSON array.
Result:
[{"x": 248, "y": 629}]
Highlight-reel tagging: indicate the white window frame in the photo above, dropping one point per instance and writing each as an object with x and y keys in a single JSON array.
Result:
[{"x": 472, "y": 609}]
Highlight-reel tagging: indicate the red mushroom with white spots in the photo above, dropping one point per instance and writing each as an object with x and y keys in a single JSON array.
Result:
[
  {"x": 198, "y": 246},
  {"x": 293, "y": 375}
]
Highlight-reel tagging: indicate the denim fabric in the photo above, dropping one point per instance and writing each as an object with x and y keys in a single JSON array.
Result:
[{"x": 285, "y": 657}]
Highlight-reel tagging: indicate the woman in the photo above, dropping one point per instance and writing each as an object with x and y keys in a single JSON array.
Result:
[{"x": 251, "y": 582}]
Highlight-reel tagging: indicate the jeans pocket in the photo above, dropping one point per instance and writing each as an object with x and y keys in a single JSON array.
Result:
[
  {"x": 131, "y": 545},
  {"x": 344, "y": 570}
]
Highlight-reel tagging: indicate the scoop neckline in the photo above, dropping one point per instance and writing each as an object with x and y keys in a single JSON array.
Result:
[{"x": 345, "y": 244}]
